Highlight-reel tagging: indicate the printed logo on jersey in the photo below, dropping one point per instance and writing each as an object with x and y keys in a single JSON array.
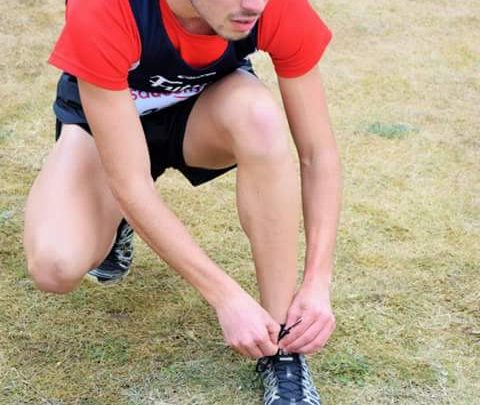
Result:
[
  {"x": 168, "y": 91},
  {"x": 171, "y": 86}
]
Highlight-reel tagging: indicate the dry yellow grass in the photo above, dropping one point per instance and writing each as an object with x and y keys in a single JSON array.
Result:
[{"x": 404, "y": 90}]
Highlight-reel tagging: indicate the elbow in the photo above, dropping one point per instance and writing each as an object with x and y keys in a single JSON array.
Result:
[
  {"x": 130, "y": 191},
  {"x": 326, "y": 160}
]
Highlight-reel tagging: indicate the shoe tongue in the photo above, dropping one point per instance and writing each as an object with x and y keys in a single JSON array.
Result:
[
  {"x": 284, "y": 356},
  {"x": 289, "y": 370}
]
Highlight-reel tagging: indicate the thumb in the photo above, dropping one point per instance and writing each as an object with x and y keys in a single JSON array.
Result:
[{"x": 273, "y": 330}]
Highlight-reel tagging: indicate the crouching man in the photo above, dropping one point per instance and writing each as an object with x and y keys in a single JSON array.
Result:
[{"x": 152, "y": 84}]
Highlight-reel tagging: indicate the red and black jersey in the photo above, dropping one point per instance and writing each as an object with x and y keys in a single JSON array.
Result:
[
  {"x": 139, "y": 44},
  {"x": 100, "y": 41}
]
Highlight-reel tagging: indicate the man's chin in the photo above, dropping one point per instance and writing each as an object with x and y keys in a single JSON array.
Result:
[
  {"x": 231, "y": 34},
  {"x": 234, "y": 36}
]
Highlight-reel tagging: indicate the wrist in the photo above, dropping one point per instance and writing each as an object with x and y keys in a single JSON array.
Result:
[
  {"x": 224, "y": 292},
  {"x": 318, "y": 279},
  {"x": 319, "y": 267}
]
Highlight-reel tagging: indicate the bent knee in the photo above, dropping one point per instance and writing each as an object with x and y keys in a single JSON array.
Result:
[
  {"x": 53, "y": 273},
  {"x": 258, "y": 130}
]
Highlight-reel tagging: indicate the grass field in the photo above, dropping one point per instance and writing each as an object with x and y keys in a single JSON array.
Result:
[{"x": 403, "y": 81}]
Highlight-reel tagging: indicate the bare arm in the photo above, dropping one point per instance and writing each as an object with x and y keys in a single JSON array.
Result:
[
  {"x": 307, "y": 114},
  {"x": 124, "y": 155},
  {"x": 123, "y": 151}
]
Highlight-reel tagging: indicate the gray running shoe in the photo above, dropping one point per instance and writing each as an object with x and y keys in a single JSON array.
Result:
[
  {"x": 117, "y": 264},
  {"x": 287, "y": 380}
]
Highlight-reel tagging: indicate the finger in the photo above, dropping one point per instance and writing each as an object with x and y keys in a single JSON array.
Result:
[
  {"x": 253, "y": 351},
  {"x": 308, "y": 336},
  {"x": 296, "y": 332},
  {"x": 314, "y": 346},
  {"x": 239, "y": 347},
  {"x": 319, "y": 342},
  {"x": 322, "y": 340},
  {"x": 311, "y": 348},
  {"x": 273, "y": 329},
  {"x": 268, "y": 348},
  {"x": 240, "y": 350}
]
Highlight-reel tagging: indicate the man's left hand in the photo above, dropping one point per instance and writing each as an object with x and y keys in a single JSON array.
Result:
[{"x": 312, "y": 305}]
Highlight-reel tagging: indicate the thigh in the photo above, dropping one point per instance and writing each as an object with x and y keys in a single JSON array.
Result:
[
  {"x": 208, "y": 139},
  {"x": 71, "y": 215}
]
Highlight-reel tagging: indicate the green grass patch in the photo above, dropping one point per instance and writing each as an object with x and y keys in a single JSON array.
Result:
[
  {"x": 346, "y": 368},
  {"x": 391, "y": 130},
  {"x": 5, "y": 134},
  {"x": 110, "y": 350}
]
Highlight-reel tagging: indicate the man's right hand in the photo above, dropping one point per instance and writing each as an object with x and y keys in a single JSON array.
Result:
[{"x": 247, "y": 327}]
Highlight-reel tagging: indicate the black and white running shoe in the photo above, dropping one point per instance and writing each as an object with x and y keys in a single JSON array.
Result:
[
  {"x": 117, "y": 264},
  {"x": 287, "y": 380}
]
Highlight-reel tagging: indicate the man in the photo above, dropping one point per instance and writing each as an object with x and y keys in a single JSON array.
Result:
[{"x": 151, "y": 84}]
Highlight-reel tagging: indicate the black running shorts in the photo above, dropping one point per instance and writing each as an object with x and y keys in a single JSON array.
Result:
[{"x": 164, "y": 132}]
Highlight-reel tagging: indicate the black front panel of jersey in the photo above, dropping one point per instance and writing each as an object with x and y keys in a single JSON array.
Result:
[{"x": 162, "y": 70}]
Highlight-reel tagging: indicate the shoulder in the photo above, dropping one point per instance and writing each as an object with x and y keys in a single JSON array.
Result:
[
  {"x": 289, "y": 20},
  {"x": 97, "y": 10},
  {"x": 294, "y": 36},
  {"x": 286, "y": 11},
  {"x": 99, "y": 42}
]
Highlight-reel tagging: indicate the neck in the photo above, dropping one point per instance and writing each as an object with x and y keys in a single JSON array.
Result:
[{"x": 188, "y": 17}]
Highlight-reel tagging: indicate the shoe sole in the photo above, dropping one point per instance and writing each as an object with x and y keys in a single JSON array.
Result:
[{"x": 110, "y": 283}]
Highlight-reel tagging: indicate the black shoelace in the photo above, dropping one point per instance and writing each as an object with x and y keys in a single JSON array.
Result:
[{"x": 284, "y": 331}]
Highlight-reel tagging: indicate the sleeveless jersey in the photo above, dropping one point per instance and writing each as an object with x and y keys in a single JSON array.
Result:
[{"x": 161, "y": 78}]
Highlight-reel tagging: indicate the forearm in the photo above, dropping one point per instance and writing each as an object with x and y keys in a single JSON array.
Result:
[
  {"x": 321, "y": 192},
  {"x": 112, "y": 116},
  {"x": 158, "y": 226},
  {"x": 307, "y": 112}
]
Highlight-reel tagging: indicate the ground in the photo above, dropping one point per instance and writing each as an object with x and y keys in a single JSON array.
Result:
[{"x": 402, "y": 80}]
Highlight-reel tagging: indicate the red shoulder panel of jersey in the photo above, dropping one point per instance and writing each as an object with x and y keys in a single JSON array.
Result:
[
  {"x": 294, "y": 36},
  {"x": 99, "y": 42}
]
